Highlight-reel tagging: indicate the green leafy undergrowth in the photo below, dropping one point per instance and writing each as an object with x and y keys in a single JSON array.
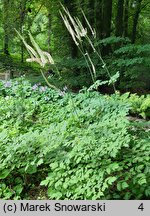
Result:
[
  {"x": 78, "y": 146},
  {"x": 131, "y": 60},
  {"x": 140, "y": 105}
]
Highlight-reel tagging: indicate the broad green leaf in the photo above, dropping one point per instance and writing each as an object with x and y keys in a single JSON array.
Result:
[{"x": 4, "y": 173}]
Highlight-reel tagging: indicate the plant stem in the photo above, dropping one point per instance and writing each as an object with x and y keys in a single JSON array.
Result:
[{"x": 50, "y": 85}]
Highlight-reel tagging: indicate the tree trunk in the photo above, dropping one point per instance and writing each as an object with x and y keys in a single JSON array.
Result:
[
  {"x": 6, "y": 26},
  {"x": 126, "y": 18},
  {"x": 107, "y": 16},
  {"x": 6, "y": 42},
  {"x": 91, "y": 15},
  {"x": 99, "y": 19},
  {"x": 22, "y": 18},
  {"x": 119, "y": 19},
  {"x": 135, "y": 20},
  {"x": 49, "y": 32},
  {"x": 22, "y": 47}
]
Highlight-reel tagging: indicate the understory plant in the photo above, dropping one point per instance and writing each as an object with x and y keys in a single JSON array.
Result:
[
  {"x": 75, "y": 146},
  {"x": 131, "y": 60},
  {"x": 44, "y": 145},
  {"x": 140, "y": 105}
]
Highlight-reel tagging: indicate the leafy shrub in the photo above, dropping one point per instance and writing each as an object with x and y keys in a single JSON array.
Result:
[
  {"x": 78, "y": 146},
  {"x": 140, "y": 105},
  {"x": 132, "y": 61}
]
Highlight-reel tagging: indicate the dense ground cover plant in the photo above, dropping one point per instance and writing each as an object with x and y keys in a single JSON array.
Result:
[
  {"x": 140, "y": 105},
  {"x": 78, "y": 146}
]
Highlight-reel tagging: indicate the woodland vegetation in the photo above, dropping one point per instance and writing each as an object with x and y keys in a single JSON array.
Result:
[{"x": 74, "y": 99}]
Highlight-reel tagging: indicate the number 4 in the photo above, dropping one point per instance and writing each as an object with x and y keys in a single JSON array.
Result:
[{"x": 141, "y": 207}]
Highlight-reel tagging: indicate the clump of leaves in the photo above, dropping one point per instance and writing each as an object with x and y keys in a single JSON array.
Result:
[
  {"x": 82, "y": 153},
  {"x": 140, "y": 105}
]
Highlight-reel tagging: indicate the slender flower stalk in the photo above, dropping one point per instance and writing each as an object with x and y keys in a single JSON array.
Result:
[
  {"x": 48, "y": 83},
  {"x": 39, "y": 56},
  {"x": 90, "y": 27},
  {"x": 78, "y": 33},
  {"x": 93, "y": 66}
]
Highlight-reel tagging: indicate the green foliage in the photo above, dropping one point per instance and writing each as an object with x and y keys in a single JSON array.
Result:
[
  {"x": 140, "y": 105},
  {"x": 112, "y": 40},
  {"x": 133, "y": 61},
  {"x": 78, "y": 146},
  {"x": 132, "y": 48}
]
